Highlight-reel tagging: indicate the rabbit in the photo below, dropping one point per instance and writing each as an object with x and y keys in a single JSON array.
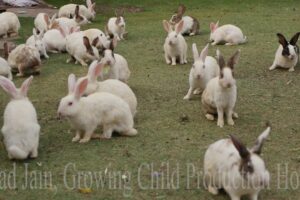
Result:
[
  {"x": 115, "y": 26},
  {"x": 43, "y": 22},
  {"x": 287, "y": 54},
  {"x": 99, "y": 109},
  {"x": 102, "y": 43},
  {"x": 220, "y": 94},
  {"x": 36, "y": 40},
  {"x": 55, "y": 39},
  {"x": 229, "y": 165},
  {"x": 204, "y": 69},
  {"x": 24, "y": 58},
  {"x": 20, "y": 127},
  {"x": 175, "y": 46},
  {"x": 118, "y": 66},
  {"x": 112, "y": 86},
  {"x": 87, "y": 11},
  {"x": 9, "y": 24},
  {"x": 190, "y": 24},
  {"x": 80, "y": 49},
  {"x": 67, "y": 23},
  {"x": 228, "y": 34},
  {"x": 5, "y": 69}
]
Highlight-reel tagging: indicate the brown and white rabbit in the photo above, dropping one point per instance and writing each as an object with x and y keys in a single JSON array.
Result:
[
  {"x": 88, "y": 11},
  {"x": 287, "y": 54},
  {"x": 191, "y": 25},
  {"x": 115, "y": 26},
  {"x": 230, "y": 165}
]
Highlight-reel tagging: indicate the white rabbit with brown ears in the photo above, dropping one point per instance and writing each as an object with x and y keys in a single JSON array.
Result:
[
  {"x": 175, "y": 46},
  {"x": 229, "y": 165},
  {"x": 220, "y": 94},
  {"x": 227, "y": 34},
  {"x": 20, "y": 128},
  {"x": 87, "y": 11},
  {"x": 115, "y": 26},
  {"x": 190, "y": 24},
  {"x": 287, "y": 54},
  {"x": 204, "y": 68},
  {"x": 99, "y": 109}
]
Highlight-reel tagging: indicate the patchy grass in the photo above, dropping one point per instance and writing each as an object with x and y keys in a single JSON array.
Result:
[{"x": 163, "y": 137}]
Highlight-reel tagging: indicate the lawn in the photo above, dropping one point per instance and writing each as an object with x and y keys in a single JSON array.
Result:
[{"x": 173, "y": 133}]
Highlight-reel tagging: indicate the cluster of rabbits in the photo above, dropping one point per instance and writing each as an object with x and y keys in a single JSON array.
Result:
[
  {"x": 111, "y": 104},
  {"x": 228, "y": 164}
]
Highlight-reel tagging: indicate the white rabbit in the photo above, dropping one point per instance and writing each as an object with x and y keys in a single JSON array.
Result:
[
  {"x": 219, "y": 96},
  {"x": 117, "y": 64},
  {"x": 80, "y": 49},
  {"x": 55, "y": 39},
  {"x": 42, "y": 22},
  {"x": 68, "y": 23},
  {"x": 20, "y": 128},
  {"x": 175, "y": 46},
  {"x": 102, "y": 43},
  {"x": 190, "y": 24},
  {"x": 204, "y": 69},
  {"x": 36, "y": 40},
  {"x": 112, "y": 86},
  {"x": 98, "y": 109},
  {"x": 88, "y": 11},
  {"x": 24, "y": 58},
  {"x": 5, "y": 69},
  {"x": 287, "y": 54},
  {"x": 9, "y": 24},
  {"x": 228, "y": 34},
  {"x": 115, "y": 26},
  {"x": 229, "y": 165}
]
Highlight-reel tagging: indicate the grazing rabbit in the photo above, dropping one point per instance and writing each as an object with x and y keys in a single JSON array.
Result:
[
  {"x": 287, "y": 54},
  {"x": 220, "y": 94},
  {"x": 228, "y": 34},
  {"x": 112, "y": 86},
  {"x": 9, "y": 24},
  {"x": 118, "y": 66},
  {"x": 204, "y": 69},
  {"x": 20, "y": 127},
  {"x": 102, "y": 42},
  {"x": 42, "y": 22},
  {"x": 87, "y": 11},
  {"x": 98, "y": 109},
  {"x": 55, "y": 39},
  {"x": 80, "y": 49},
  {"x": 24, "y": 58},
  {"x": 229, "y": 165},
  {"x": 115, "y": 26},
  {"x": 67, "y": 23},
  {"x": 5, "y": 69},
  {"x": 190, "y": 24},
  {"x": 36, "y": 40},
  {"x": 175, "y": 46}
]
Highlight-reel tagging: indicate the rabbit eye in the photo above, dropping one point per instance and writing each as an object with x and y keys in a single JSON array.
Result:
[
  {"x": 203, "y": 66},
  {"x": 176, "y": 36},
  {"x": 70, "y": 103},
  {"x": 101, "y": 34}
]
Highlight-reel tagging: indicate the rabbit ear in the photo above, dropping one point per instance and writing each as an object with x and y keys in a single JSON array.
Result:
[
  {"x": 62, "y": 31},
  {"x": 71, "y": 83},
  {"x": 47, "y": 20},
  {"x": 204, "y": 53},
  {"x": 8, "y": 86},
  {"x": 195, "y": 51},
  {"x": 240, "y": 147},
  {"x": 179, "y": 27},
  {"x": 77, "y": 11},
  {"x": 113, "y": 43},
  {"x": 80, "y": 88},
  {"x": 88, "y": 3},
  {"x": 257, "y": 148},
  {"x": 95, "y": 41},
  {"x": 214, "y": 26},
  {"x": 181, "y": 10},
  {"x": 88, "y": 46},
  {"x": 25, "y": 86},
  {"x": 167, "y": 26},
  {"x": 34, "y": 34},
  {"x": 220, "y": 59},
  {"x": 282, "y": 40},
  {"x": 6, "y": 50},
  {"x": 233, "y": 60},
  {"x": 294, "y": 39},
  {"x": 95, "y": 70}
]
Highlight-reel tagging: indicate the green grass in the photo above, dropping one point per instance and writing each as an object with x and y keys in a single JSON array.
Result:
[{"x": 262, "y": 96}]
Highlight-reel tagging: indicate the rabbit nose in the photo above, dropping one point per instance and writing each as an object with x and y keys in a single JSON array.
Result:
[
  {"x": 292, "y": 57},
  {"x": 228, "y": 85},
  {"x": 170, "y": 43},
  {"x": 108, "y": 62}
]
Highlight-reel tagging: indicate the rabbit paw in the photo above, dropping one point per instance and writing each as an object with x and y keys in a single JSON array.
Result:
[
  {"x": 84, "y": 140},
  {"x": 230, "y": 122},
  {"x": 220, "y": 123}
]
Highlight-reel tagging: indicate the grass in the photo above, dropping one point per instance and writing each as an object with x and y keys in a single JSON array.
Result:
[{"x": 163, "y": 137}]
